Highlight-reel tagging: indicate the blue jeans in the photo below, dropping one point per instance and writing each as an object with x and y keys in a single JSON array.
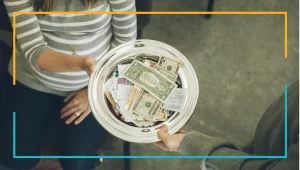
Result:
[{"x": 34, "y": 111}]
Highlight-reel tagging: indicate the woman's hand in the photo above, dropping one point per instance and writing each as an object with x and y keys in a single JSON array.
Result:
[
  {"x": 77, "y": 107},
  {"x": 89, "y": 64},
  {"x": 169, "y": 142}
]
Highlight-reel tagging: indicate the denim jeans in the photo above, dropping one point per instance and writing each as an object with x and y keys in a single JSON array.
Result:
[{"x": 34, "y": 111}]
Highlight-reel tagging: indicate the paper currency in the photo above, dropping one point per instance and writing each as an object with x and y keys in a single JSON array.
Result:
[
  {"x": 169, "y": 75},
  {"x": 143, "y": 56},
  {"x": 144, "y": 92},
  {"x": 150, "y": 79},
  {"x": 176, "y": 100},
  {"x": 161, "y": 115},
  {"x": 169, "y": 65},
  {"x": 143, "y": 123},
  {"x": 150, "y": 63},
  {"x": 147, "y": 106},
  {"x": 135, "y": 93}
]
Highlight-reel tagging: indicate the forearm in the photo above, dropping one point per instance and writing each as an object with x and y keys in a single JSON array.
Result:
[
  {"x": 53, "y": 61},
  {"x": 195, "y": 143}
]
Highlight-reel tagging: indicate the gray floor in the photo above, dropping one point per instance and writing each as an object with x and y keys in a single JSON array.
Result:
[{"x": 239, "y": 61}]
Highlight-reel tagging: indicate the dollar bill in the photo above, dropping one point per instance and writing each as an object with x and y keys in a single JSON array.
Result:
[
  {"x": 150, "y": 79},
  {"x": 143, "y": 123},
  {"x": 161, "y": 115},
  {"x": 150, "y": 63},
  {"x": 169, "y": 75},
  {"x": 135, "y": 98},
  {"x": 169, "y": 65},
  {"x": 135, "y": 92},
  {"x": 147, "y": 106},
  {"x": 143, "y": 56}
]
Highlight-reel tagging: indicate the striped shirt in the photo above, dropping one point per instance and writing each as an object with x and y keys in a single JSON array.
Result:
[{"x": 91, "y": 35}]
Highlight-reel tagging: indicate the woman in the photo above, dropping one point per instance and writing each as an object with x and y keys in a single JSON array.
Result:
[{"x": 55, "y": 54}]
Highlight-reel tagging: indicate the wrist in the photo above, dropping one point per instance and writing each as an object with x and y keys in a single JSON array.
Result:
[{"x": 80, "y": 63}]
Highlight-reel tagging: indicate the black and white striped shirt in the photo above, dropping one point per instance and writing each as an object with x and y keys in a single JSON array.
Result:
[{"x": 91, "y": 35}]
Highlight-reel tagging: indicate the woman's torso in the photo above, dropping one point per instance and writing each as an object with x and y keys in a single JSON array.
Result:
[{"x": 87, "y": 34}]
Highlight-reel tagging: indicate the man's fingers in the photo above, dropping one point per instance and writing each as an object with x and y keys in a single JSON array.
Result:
[
  {"x": 181, "y": 131},
  {"x": 70, "y": 96},
  {"x": 163, "y": 133},
  {"x": 162, "y": 146},
  {"x": 69, "y": 112},
  {"x": 82, "y": 117},
  {"x": 164, "y": 128},
  {"x": 73, "y": 117}
]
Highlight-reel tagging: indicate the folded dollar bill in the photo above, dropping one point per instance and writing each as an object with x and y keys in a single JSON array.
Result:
[
  {"x": 169, "y": 65},
  {"x": 144, "y": 92},
  {"x": 147, "y": 106},
  {"x": 150, "y": 79},
  {"x": 150, "y": 63}
]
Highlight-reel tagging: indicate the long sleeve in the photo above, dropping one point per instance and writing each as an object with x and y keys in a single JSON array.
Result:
[
  {"x": 195, "y": 143},
  {"x": 124, "y": 26},
  {"x": 28, "y": 33}
]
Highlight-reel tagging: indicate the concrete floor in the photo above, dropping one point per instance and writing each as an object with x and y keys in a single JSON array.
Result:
[
  {"x": 240, "y": 64},
  {"x": 239, "y": 61}
]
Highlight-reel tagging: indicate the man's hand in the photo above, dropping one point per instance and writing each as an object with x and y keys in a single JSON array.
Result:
[
  {"x": 77, "y": 107},
  {"x": 169, "y": 142}
]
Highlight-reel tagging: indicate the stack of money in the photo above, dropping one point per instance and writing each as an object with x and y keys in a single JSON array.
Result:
[{"x": 144, "y": 92}]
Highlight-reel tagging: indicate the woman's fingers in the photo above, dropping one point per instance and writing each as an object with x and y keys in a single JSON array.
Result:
[
  {"x": 69, "y": 112},
  {"x": 71, "y": 103},
  {"x": 82, "y": 116},
  {"x": 73, "y": 117},
  {"x": 70, "y": 96}
]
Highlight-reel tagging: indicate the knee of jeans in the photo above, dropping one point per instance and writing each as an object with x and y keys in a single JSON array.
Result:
[{"x": 19, "y": 163}]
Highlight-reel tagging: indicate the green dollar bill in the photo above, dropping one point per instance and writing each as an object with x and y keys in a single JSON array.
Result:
[
  {"x": 147, "y": 106},
  {"x": 169, "y": 75},
  {"x": 170, "y": 65},
  {"x": 150, "y": 79}
]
